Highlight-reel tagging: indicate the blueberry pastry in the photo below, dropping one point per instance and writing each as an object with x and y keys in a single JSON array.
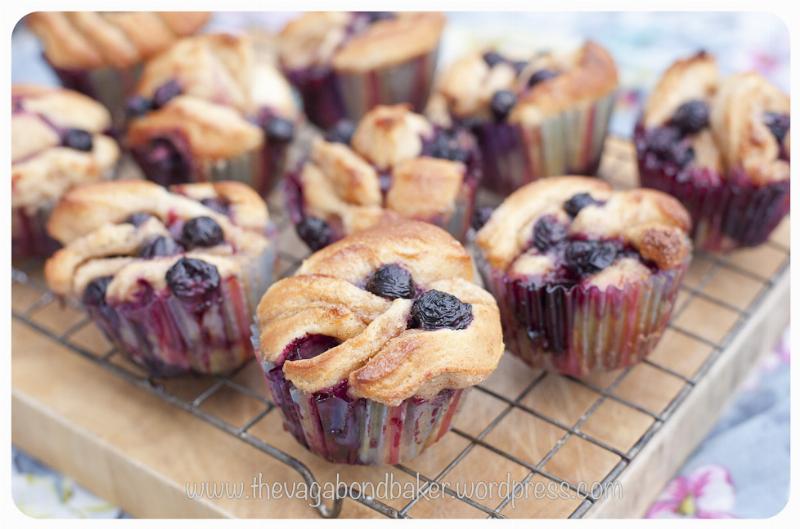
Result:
[
  {"x": 721, "y": 147},
  {"x": 368, "y": 348},
  {"x": 533, "y": 117},
  {"x": 57, "y": 141},
  {"x": 586, "y": 277},
  {"x": 172, "y": 277},
  {"x": 207, "y": 109},
  {"x": 100, "y": 53},
  {"x": 394, "y": 164},
  {"x": 343, "y": 64}
]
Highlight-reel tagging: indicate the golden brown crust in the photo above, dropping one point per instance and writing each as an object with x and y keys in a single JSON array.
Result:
[
  {"x": 391, "y": 42},
  {"x": 692, "y": 78},
  {"x": 380, "y": 357},
  {"x": 42, "y": 170},
  {"x": 85, "y": 39},
  {"x": 90, "y": 222},
  {"x": 654, "y": 223}
]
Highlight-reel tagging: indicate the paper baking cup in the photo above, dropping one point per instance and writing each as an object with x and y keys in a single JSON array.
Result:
[
  {"x": 109, "y": 86},
  {"x": 29, "y": 236},
  {"x": 568, "y": 143},
  {"x": 329, "y": 96},
  {"x": 730, "y": 214},
  {"x": 578, "y": 330},
  {"x": 360, "y": 431},
  {"x": 169, "y": 336}
]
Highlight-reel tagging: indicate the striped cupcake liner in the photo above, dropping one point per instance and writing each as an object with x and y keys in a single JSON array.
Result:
[
  {"x": 568, "y": 143},
  {"x": 29, "y": 236},
  {"x": 360, "y": 431},
  {"x": 578, "y": 330},
  {"x": 168, "y": 336},
  {"x": 109, "y": 86},
  {"x": 329, "y": 96},
  {"x": 728, "y": 214}
]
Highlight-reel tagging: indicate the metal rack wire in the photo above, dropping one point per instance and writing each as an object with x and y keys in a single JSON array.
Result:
[{"x": 617, "y": 161}]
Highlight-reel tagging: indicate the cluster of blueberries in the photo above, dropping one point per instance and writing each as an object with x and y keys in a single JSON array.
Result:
[{"x": 504, "y": 100}]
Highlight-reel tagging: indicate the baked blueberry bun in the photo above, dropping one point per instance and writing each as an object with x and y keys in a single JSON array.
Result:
[
  {"x": 172, "y": 277},
  {"x": 368, "y": 348},
  {"x": 586, "y": 277},
  {"x": 721, "y": 147},
  {"x": 58, "y": 141},
  {"x": 533, "y": 117},
  {"x": 100, "y": 53},
  {"x": 207, "y": 110},
  {"x": 394, "y": 164},
  {"x": 343, "y": 64}
]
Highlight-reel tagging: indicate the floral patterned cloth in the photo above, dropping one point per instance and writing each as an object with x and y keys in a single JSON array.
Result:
[{"x": 716, "y": 482}]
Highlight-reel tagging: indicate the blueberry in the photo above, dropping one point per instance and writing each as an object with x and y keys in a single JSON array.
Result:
[
  {"x": 201, "y": 232},
  {"x": 439, "y": 310},
  {"x": 218, "y": 205},
  {"x": 160, "y": 247},
  {"x": 138, "y": 106},
  {"x": 445, "y": 145},
  {"x": 77, "y": 139},
  {"x": 481, "y": 216},
  {"x": 691, "y": 117},
  {"x": 577, "y": 202},
  {"x": 163, "y": 163},
  {"x": 589, "y": 257},
  {"x": 661, "y": 140},
  {"x": 137, "y": 219},
  {"x": 778, "y": 124},
  {"x": 391, "y": 281},
  {"x": 191, "y": 278},
  {"x": 502, "y": 103},
  {"x": 279, "y": 130},
  {"x": 492, "y": 58},
  {"x": 540, "y": 76},
  {"x": 94, "y": 295},
  {"x": 315, "y": 232},
  {"x": 165, "y": 92},
  {"x": 342, "y": 132},
  {"x": 519, "y": 66},
  {"x": 548, "y": 232}
]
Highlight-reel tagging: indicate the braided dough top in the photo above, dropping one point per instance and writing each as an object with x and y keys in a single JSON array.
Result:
[
  {"x": 350, "y": 43},
  {"x": 42, "y": 168},
  {"x": 379, "y": 356},
  {"x": 654, "y": 223},
  {"x": 87, "y": 39}
]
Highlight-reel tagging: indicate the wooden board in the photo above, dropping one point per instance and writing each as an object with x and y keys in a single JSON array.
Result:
[{"x": 630, "y": 429}]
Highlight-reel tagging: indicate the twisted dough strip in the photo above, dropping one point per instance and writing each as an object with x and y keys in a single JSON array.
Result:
[{"x": 380, "y": 357}]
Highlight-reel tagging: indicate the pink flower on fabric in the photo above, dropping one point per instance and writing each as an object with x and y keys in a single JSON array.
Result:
[{"x": 705, "y": 493}]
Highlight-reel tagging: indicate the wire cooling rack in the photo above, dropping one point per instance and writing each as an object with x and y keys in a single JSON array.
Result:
[{"x": 730, "y": 288}]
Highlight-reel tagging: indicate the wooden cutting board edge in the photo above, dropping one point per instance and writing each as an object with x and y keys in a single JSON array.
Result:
[{"x": 666, "y": 452}]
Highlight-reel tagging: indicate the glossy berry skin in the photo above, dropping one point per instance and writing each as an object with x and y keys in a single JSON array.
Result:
[
  {"x": 492, "y": 59},
  {"x": 342, "y": 132},
  {"x": 589, "y": 257},
  {"x": 160, "y": 247},
  {"x": 165, "y": 93},
  {"x": 547, "y": 232},
  {"x": 481, "y": 216},
  {"x": 691, "y": 117},
  {"x": 391, "y": 281},
  {"x": 778, "y": 124},
  {"x": 315, "y": 232},
  {"x": 138, "y": 106},
  {"x": 668, "y": 146},
  {"x": 77, "y": 139},
  {"x": 190, "y": 279},
  {"x": 279, "y": 130},
  {"x": 165, "y": 163},
  {"x": 445, "y": 146},
  {"x": 541, "y": 75},
  {"x": 137, "y": 219},
  {"x": 94, "y": 295},
  {"x": 201, "y": 232},
  {"x": 439, "y": 310},
  {"x": 577, "y": 202},
  {"x": 501, "y": 104}
]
